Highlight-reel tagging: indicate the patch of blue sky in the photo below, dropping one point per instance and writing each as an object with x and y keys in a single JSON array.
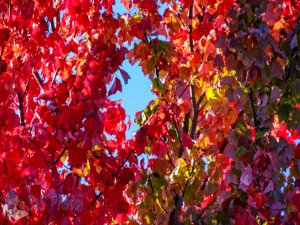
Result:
[{"x": 137, "y": 93}]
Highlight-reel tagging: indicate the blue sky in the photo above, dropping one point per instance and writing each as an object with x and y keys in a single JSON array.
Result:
[{"x": 137, "y": 93}]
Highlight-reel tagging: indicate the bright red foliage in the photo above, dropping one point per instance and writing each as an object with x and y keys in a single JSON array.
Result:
[{"x": 219, "y": 144}]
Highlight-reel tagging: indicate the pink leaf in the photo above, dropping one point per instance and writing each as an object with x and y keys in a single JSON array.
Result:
[
  {"x": 246, "y": 177},
  {"x": 277, "y": 206},
  {"x": 270, "y": 187}
]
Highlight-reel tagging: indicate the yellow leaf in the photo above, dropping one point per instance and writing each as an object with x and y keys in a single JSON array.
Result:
[
  {"x": 147, "y": 218},
  {"x": 216, "y": 78},
  {"x": 64, "y": 157},
  {"x": 181, "y": 162},
  {"x": 137, "y": 17},
  {"x": 228, "y": 73},
  {"x": 210, "y": 93},
  {"x": 96, "y": 148},
  {"x": 83, "y": 171},
  {"x": 160, "y": 209},
  {"x": 195, "y": 22}
]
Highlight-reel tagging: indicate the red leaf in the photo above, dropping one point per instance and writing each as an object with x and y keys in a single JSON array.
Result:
[
  {"x": 48, "y": 95},
  {"x": 68, "y": 184},
  {"x": 83, "y": 22},
  {"x": 144, "y": 26},
  {"x": 295, "y": 201},
  {"x": 193, "y": 59},
  {"x": 270, "y": 187},
  {"x": 127, "y": 3},
  {"x": 73, "y": 6},
  {"x": 4, "y": 35},
  {"x": 160, "y": 148},
  {"x": 187, "y": 141},
  {"x": 125, "y": 75},
  {"x": 260, "y": 200},
  {"x": 202, "y": 30},
  {"x": 185, "y": 105},
  {"x": 206, "y": 202},
  {"x": 3, "y": 66},
  {"x": 126, "y": 175},
  {"x": 115, "y": 87}
]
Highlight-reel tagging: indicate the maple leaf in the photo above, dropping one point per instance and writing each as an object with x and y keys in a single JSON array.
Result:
[
  {"x": 4, "y": 35},
  {"x": 73, "y": 6},
  {"x": 160, "y": 148},
  {"x": 260, "y": 200},
  {"x": 246, "y": 178},
  {"x": 116, "y": 86},
  {"x": 203, "y": 30},
  {"x": 187, "y": 141},
  {"x": 125, "y": 75},
  {"x": 127, "y": 4},
  {"x": 224, "y": 73}
]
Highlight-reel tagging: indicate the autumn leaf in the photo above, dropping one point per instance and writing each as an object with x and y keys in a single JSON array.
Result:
[
  {"x": 116, "y": 86},
  {"x": 125, "y": 75}
]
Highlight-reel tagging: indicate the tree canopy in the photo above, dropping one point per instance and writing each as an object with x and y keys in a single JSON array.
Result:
[{"x": 218, "y": 145}]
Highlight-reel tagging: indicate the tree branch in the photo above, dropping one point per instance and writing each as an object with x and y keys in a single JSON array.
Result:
[
  {"x": 191, "y": 29},
  {"x": 179, "y": 139},
  {"x": 38, "y": 79},
  {"x": 127, "y": 158},
  {"x": 186, "y": 122},
  {"x": 171, "y": 161},
  {"x": 253, "y": 109},
  {"x": 175, "y": 212},
  {"x": 54, "y": 78},
  {"x": 178, "y": 200},
  {"x": 196, "y": 106},
  {"x": 26, "y": 89},
  {"x": 95, "y": 199},
  {"x": 60, "y": 155},
  {"x": 21, "y": 109}
]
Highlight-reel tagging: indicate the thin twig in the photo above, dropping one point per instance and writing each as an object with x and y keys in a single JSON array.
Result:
[
  {"x": 95, "y": 200},
  {"x": 253, "y": 109},
  {"x": 121, "y": 166},
  {"x": 196, "y": 106},
  {"x": 173, "y": 166},
  {"x": 54, "y": 78},
  {"x": 38, "y": 80},
  {"x": 56, "y": 73},
  {"x": 179, "y": 139},
  {"x": 61, "y": 154},
  {"x": 16, "y": 104},
  {"x": 26, "y": 89}
]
